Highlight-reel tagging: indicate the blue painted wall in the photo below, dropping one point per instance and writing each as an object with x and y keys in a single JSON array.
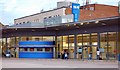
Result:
[
  {"x": 36, "y": 44},
  {"x": 76, "y": 11},
  {"x": 119, "y": 57},
  {"x": 35, "y": 55}
]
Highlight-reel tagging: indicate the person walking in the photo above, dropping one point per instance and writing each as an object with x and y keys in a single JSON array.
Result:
[
  {"x": 90, "y": 55},
  {"x": 62, "y": 55},
  {"x": 98, "y": 54},
  {"x": 66, "y": 55},
  {"x": 8, "y": 53}
]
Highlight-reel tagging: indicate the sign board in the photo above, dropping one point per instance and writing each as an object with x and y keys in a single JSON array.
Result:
[
  {"x": 80, "y": 50},
  {"x": 101, "y": 50},
  {"x": 36, "y": 44},
  {"x": 76, "y": 11}
]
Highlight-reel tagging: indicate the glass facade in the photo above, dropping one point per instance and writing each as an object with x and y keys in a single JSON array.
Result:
[{"x": 86, "y": 44}]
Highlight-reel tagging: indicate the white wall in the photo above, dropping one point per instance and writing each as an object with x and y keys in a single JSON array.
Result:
[{"x": 41, "y": 16}]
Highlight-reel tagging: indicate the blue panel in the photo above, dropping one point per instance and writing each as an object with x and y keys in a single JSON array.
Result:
[
  {"x": 76, "y": 11},
  {"x": 36, "y": 46},
  {"x": 37, "y": 43},
  {"x": 35, "y": 55}
]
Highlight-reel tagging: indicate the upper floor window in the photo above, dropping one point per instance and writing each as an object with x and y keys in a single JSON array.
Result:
[
  {"x": 50, "y": 16},
  {"x": 92, "y": 8},
  {"x": 28, "y": 21},
  {"x": 45, "y": 17}
]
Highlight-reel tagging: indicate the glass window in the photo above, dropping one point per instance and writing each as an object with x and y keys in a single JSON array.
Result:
[
  {"x": 79, "y": 40},
  {"x": 94, "y": 39},
  {"x": 79, "y": 46},
  {"x": 86, "y": 39},
  {"x": 112, "y": 48},
  {"x": 65, "y": 43},
  {"x": 59, "y": 46},
  {"x": 23, "y": 49},
  {"x": 48, "y": 50},
  {"x": 39, "y": 49},
  {"x": 23, "y": 38},
  {"x": 36, "y": 39},
  {"x": 48, "y": 38},
  {"x": 71, "y": 46},
  {"x": 103, "y": 44},
  {"x": 31, "y": 49},
  {"x": 92, "y": 8}
]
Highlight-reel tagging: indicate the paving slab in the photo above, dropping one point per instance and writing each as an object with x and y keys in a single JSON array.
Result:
[{"x": 56, "y": 63}]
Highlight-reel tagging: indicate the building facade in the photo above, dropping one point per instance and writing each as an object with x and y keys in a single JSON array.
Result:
[
  {"x": 97, "y": 28},
  {"x": 89, "y": 12},
  {"x": 70, "y": 37}
]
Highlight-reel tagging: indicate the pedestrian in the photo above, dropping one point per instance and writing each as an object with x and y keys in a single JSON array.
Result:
[
  {"x": 100, "y": 58},
  {"x": 62, "y": 55},
  {"x": 66, "y": 55},
  {"x": 98, "y": 54},
  {"x": 58, "y": 54},
  {"x": 90, "y": 55},
  {"x": 80, "y": 52},
  {"x": 8, "y": 53}
]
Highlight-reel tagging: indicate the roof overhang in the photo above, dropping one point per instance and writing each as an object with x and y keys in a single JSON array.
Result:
[{"x": 67, "y": 26}]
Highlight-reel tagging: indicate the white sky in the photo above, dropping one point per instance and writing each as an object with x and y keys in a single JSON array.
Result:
[{"x": 12, "y": 9}]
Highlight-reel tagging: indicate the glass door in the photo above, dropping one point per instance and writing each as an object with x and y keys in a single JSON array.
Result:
[
  {"x": 86, "y": 46},
  {"x": 94, "y": 52},
  {"x": 86, "y": 51}
]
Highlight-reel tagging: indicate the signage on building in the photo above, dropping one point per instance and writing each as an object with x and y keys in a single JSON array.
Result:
[{"x": 76, "y": 11}]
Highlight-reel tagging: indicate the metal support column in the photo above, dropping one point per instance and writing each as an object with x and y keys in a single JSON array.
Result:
[
  {"x": 98, "y": 40},
  {"x": 75, "y": 46},
  {"x": 15, "y": 46},
  {"x": 82, "y": 48},
  {"x": 68, "y": 47},
  {"x": 107, "y": 46},
  {"x": 55, "y": 48},
  {"x": 6, "y": 44}
]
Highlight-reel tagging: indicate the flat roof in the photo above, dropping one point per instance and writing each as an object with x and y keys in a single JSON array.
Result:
[{"x": 41, "y": 25}]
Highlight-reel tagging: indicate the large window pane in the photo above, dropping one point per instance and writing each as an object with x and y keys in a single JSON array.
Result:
[
  {"x": 65, "y": 43},
  {"x": 86, "y": 39},
  {"x": 59, "y": 48},
  {"x": 71, "y": 46},
  {"x": 79, "y": 46},
  {"x": 86, "y": 46},
  {"x": 48, "y": 38},
  {"x": 103, "y": 44},
  {"x": 94, "y": 45},
  {"x": 112, "y": 51}
]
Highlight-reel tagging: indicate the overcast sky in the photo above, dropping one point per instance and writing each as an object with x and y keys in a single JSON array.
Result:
[{"x": 12, "y": 9}]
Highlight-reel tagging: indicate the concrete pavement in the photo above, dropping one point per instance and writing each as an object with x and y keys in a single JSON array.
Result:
[{"x": 56, "y": 63}]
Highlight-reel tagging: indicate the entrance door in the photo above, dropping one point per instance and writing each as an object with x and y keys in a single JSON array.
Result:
[
  {"x": 94, "y": 52},
  {"x": 86, "y": 51}
]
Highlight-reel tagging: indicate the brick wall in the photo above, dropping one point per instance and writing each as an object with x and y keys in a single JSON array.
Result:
[{"x": 100, "y": 11}]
